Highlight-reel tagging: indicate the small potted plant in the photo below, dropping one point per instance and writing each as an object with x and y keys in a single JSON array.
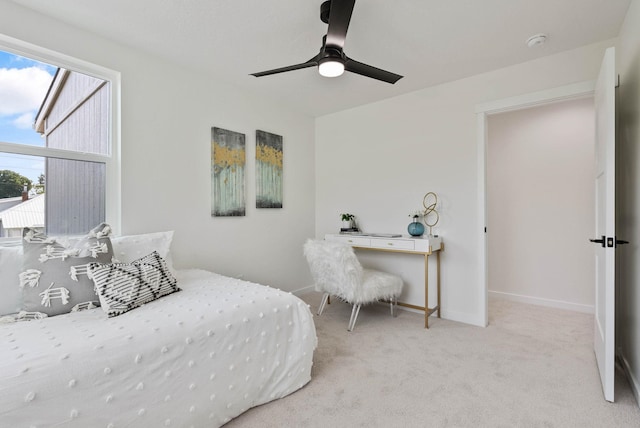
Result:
[{"x": 347, "y": 220}]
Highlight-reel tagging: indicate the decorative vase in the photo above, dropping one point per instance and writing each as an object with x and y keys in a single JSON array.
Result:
[
  {"x": 416, "y": 228},
  {"x": 347, "y": 224}
]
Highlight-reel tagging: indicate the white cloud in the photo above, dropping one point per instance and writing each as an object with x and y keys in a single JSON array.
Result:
[
  {"x": 24, "y": 121},
  {"x": 22, "y": 89}
]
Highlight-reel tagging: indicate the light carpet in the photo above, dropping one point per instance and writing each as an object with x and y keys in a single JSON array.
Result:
[{"x": 532, "y": 367}]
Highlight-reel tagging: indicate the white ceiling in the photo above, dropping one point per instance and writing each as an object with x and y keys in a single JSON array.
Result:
[{"x": 427, "y": 41}]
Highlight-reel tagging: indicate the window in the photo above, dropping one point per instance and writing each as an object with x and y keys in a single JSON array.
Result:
[{"x": 59, "y": 133}]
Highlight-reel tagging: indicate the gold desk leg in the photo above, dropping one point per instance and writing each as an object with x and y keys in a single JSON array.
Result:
[
  {"x": 438, "y": 281},
  {"x": 426, "y": 291}
]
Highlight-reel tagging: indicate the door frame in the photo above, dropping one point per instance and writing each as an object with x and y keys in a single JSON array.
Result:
[{"x": 483, "y": 111}]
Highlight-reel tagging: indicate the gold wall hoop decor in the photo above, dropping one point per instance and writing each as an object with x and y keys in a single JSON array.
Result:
[{"x": 430, "y": 215}]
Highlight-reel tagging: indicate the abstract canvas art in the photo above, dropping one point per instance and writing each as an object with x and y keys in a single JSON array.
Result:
[
  {"x": 268, "y": 170},
  {"x": 227, "y": 173}
]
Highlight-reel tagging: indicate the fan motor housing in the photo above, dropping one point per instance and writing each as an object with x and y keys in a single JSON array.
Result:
[
  {"x": 331, "y": 60},
  {"x": 325, "y": 8}
]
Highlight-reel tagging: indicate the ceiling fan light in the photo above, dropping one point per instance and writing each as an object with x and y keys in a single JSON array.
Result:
[{"x": 331, "y": 68}]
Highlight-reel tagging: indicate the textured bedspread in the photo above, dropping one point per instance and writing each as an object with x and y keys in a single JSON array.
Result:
[{"x": 197, "y": 358}]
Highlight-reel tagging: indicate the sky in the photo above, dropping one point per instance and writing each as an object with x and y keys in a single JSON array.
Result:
[{"x": 23, "y": 86}]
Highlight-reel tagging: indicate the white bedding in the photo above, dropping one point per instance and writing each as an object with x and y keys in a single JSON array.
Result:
[{"x": 197, "y": 358}]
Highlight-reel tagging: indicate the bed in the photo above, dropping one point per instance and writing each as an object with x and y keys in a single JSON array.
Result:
[{"x": 194, "y": 358}]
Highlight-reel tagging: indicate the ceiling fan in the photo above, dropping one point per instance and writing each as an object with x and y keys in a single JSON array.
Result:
[{"x": 331, "y": 61}]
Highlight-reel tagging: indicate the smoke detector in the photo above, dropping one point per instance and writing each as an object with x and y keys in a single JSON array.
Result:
[{"x": 536, "y": 40}]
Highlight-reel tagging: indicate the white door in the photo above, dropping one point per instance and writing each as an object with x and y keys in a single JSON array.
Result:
[{"x": 604, "y": 337}]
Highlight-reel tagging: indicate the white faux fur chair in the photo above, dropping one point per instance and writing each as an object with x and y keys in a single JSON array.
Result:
[{"x": 337, "y": 272}]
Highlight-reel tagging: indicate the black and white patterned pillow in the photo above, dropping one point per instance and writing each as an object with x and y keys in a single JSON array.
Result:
[
  {"x": 122, "y": 287},
  {"x": 54, "y": 277}
]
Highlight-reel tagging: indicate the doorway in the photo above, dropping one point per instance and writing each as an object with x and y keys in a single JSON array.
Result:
[
  {"x": 484, "y": 112},
  {"x": 540, "y": 168}
]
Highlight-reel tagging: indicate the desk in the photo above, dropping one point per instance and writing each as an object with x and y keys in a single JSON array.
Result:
[{"x": 424, "y": 246}]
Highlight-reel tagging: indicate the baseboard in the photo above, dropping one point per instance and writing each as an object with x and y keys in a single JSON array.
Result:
[
  {"x": 299, "y": 292},
  {"x": 558, "y": 304},
  {"x": 405, "y": 308},
  {"x": 633, "y": 382}
]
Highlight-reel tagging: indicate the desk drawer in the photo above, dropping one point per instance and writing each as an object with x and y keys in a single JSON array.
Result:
[
  {"x": 353, "y": 240},
  {"x": 396, "y": 244}
]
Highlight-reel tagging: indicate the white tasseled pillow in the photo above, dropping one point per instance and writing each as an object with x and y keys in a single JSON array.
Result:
[{"x": 128, "y": 248}]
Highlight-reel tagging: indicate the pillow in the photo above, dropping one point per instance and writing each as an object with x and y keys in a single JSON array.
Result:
[
  {"x": 54, "y": 277},
  {"x": 10, "y": 292},
  {"x": 125, "y": 286},
  {"x": 128, "y": 248}
]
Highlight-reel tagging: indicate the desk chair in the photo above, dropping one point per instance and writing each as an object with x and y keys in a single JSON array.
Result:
[{"x": 336, "y": 271}]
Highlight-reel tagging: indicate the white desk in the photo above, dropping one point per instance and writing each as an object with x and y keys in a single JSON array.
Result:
[{"x": 424, "y": 246}]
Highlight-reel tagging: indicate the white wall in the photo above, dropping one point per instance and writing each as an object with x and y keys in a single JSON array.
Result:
[
  {"x": 540, "y": 199},
  {"x": 167, "y": 115},
  {"x": 627, "y": 195},
  {"x": 377, "y": 161}
]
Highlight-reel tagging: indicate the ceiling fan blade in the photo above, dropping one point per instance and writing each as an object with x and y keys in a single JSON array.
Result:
[
  {"x": 370, "y": 71},
  {"x": 339, "y": 17},
  {"x": 311, "y": 63}
]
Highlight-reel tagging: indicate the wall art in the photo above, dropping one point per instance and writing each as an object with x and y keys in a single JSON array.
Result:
[
  {"x": 227, "y": 173},
  {"x": 268, "y": 170}
]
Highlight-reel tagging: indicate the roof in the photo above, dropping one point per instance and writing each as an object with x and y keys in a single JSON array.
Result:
[
  {"x": 27, "y": 214},
  {"x": 6, "y": 203},
  {"x": 50, "y": 98}
]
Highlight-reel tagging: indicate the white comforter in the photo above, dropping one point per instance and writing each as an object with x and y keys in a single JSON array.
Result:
[{"x": 197, "y": 358}]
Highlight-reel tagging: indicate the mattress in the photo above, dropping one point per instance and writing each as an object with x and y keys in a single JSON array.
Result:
[{"x": 198, "y": 357}]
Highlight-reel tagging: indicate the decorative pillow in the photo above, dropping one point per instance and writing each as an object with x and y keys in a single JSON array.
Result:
[
  {"x": 10, "y": 292},
  {"x": 54, "y": 277},
  {"x": 128, "y": 248},
  {"x": 126, "y": 286}
]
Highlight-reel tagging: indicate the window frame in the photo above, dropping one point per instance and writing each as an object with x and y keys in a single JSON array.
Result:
[{"x": 112, "y": 161}]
